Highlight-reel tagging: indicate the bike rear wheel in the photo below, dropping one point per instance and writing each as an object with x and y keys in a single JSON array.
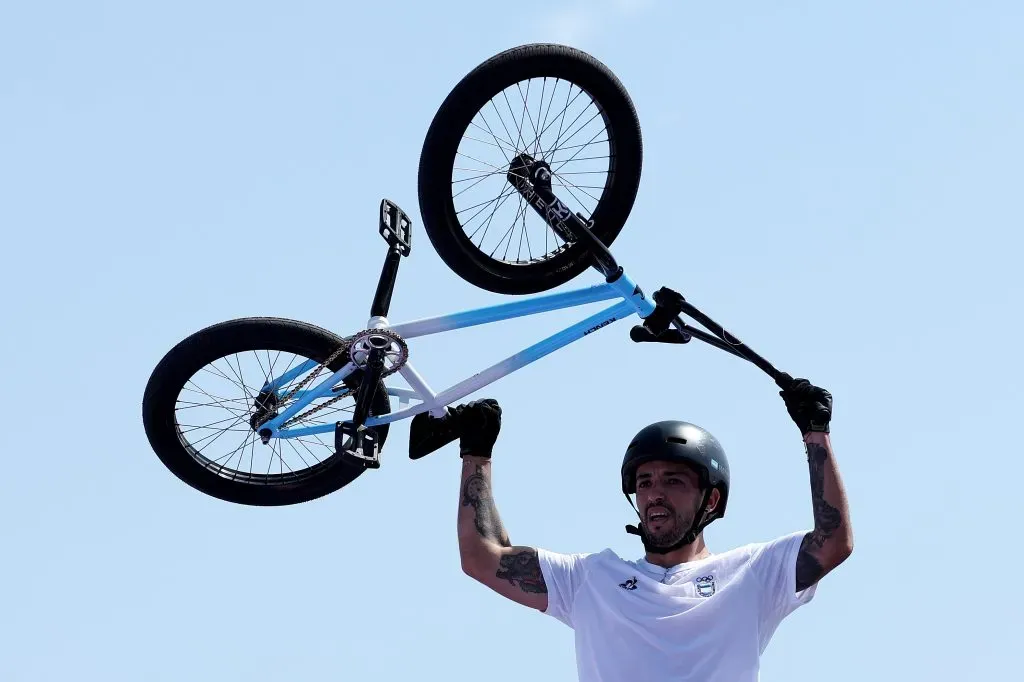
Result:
[
  {"x": 204, "y": 402},
  {"x": 547, "y": 103}
]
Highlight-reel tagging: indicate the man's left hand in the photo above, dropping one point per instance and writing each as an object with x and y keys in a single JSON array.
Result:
[{"x": 809, "y": 406}]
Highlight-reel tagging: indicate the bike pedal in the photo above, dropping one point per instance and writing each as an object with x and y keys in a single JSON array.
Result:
[
  {"x": 395, "y": 227},
  {"x": 364, "y": 449}
]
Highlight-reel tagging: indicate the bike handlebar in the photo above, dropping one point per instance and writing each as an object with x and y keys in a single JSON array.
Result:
[
  {"x": 669, "y": 305},
  {"x": 726, "y": 341}
]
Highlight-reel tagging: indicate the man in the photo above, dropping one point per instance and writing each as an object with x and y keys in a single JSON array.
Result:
[{"x": 681, "y": 612}]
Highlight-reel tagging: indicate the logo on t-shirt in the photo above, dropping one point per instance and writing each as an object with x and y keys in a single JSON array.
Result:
[
  {"x": 705, "y": 585},
  {"x": 629, "y": 584}
]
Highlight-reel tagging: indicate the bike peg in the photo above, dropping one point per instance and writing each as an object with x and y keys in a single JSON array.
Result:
[{"x": 428, "y": 433}]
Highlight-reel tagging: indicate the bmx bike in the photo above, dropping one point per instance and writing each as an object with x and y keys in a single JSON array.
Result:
[{"x": 270, "y": 411}]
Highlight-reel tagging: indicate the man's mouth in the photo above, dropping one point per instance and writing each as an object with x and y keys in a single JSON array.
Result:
[{"x": 658, "y": 515}]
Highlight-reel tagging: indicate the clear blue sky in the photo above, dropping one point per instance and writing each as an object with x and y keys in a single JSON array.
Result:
[{"x": 832, "y": 181}]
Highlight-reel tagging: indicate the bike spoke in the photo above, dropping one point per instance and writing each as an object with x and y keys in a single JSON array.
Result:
[
  {"x": 231, "y": 455},
  {"x": 526, "y": 112},
  {"x": 502, "y": 120},
  {"x": 297, "y": 452},
  {"x": 522, "y": 209},
  {"x": 483, "y": 174},
  {"x": 500, "y": 143},
  {"x": 496, "y": 168},
  {"x": 484, "y": 203},
  {"x": 504, "y": 198},
  {"x": 540, "y": 105},
  {"x": 225, "y": 376},
  {"x": 551, "y": 152},
  {"x": 574, "y": 195}
]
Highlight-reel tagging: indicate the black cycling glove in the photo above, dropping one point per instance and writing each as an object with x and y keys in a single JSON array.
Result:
[
  {"x": 810, "y": 406},
  {"x": 479, "y": 423}
]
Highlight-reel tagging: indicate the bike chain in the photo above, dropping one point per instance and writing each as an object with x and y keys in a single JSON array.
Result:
[{"x": 346, "y": 343}]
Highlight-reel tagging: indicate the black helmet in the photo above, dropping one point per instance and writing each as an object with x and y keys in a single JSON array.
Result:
[{"x": 678, "y": 441}]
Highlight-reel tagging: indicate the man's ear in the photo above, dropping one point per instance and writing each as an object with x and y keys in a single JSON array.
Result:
[{"x": 713, "y": 499}]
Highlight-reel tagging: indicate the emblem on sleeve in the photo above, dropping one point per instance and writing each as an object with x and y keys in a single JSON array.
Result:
[{"x": 705, "y": 585}]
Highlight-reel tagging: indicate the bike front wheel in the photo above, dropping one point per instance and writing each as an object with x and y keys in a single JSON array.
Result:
[{"x": 534, "y": 104}]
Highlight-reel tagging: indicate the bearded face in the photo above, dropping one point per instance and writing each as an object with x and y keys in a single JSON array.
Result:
[{"x": 668, "y": 496}]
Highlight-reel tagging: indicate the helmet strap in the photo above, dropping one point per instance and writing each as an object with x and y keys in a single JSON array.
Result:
[{"x": 699, "y": 522}]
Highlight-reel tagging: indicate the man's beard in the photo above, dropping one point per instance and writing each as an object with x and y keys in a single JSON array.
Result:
[{"x": 673, "y": 529}]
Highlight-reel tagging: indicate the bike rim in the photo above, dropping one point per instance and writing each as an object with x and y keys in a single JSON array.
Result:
[{"x": 552, "y": 120}]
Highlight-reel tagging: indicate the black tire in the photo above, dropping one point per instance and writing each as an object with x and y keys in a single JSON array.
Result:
[
  {"x": 222, "y": 340},
  {"x": 454, "y": 117}
]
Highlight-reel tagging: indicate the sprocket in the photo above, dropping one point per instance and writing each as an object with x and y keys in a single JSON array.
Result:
[{"x": 396, "y": 351}]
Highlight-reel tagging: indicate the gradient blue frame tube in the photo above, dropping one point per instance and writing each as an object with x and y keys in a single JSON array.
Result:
[
  {"x": 515, "y": 362},
  {"x": 507, "y": 311},
  {"x": 322, "y": 388}
]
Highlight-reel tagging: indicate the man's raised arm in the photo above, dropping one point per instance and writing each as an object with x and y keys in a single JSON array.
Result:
[
  {"x": 487, "y": 554},
  {"x": 831, "y": 541}
]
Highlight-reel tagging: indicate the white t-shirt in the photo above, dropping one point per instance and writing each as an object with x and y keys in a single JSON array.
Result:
[{"x": 706, "y": 620}]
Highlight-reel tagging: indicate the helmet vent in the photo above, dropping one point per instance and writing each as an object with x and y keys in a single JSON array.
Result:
[{"x": 674, "y": 439}]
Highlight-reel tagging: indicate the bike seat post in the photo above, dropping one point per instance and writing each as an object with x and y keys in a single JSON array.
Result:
[
  {"x": 396, "y": 229},
  {"x": 386, "y": 284}
]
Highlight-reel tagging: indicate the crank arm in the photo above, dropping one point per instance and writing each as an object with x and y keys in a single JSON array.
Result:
[{"x": 364, "y": 448}]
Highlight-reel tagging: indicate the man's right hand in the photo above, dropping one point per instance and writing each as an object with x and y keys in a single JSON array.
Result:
[{"x": 479, "y": 424}]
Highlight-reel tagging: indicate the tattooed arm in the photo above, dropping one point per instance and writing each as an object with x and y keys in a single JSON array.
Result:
[
  {"x": 488, "y": 555},
  {"x": 831, "y": 541}
]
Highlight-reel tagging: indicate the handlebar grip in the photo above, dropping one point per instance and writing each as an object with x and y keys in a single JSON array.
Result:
[{"x": 641, "y": 334}]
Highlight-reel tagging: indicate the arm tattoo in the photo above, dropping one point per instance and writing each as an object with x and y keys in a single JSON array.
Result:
[
  {"x": 826, "y": 517},
  {"x": 808, "y": 568},
  {"x": 826, "y": 520},
  {"x": 523, "y": 568},
  {"x": 476, "y": 493}
]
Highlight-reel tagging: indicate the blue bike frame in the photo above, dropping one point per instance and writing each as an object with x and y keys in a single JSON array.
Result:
[{"x": 631, "y": 300}]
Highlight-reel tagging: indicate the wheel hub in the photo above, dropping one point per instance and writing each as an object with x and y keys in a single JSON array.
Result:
[{"x": 265, "y": 408}]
